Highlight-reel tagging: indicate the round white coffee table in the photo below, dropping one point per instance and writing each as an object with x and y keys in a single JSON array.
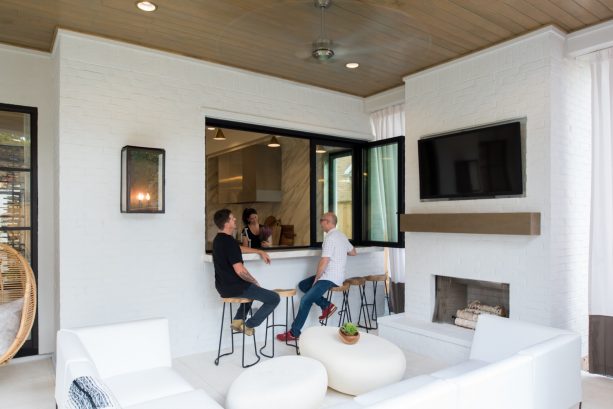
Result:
[
  {"x": 294, "y": 382},
  {"x": 353, "y": 369}
]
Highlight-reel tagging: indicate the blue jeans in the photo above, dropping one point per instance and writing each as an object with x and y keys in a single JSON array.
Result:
[
  {"x": 313, "y": 293},
  {"x": 269, "y": 299}
]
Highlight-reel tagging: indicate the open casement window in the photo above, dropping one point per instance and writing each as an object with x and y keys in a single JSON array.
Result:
[
  {"x": 368, "y": 202},
  {"x": 18, "y": 187},
  {"x": 382, "y": 188}
]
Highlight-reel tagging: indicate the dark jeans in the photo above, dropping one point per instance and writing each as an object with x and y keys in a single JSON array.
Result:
[
  {"x": 269, "y": 300},
  {"x": 313, "y": 293}
]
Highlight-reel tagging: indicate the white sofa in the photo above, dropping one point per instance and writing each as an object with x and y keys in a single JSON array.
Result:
[
  {"x": 131, "y": 360},
  {"x": 512, "y": 365}
]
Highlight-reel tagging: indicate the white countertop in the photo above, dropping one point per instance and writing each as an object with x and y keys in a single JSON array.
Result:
[{"x": 289, "y": 254}]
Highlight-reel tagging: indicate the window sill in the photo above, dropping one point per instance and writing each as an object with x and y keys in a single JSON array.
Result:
[{"x": 298, "y": 253}]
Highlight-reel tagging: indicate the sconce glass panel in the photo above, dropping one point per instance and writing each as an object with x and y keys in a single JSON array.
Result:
[{"x": 142, "y": 180}]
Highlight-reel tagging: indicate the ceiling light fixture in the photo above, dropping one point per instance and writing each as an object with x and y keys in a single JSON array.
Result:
[
  {"x": 352, "y": 65},
  {"x": 320, "y": 149},
  {"x": 146, "y": 6},
  {"x": 210, "y": 128},
  {"x": 219, "y": 136},
  {"x": 274, "y": 142}
]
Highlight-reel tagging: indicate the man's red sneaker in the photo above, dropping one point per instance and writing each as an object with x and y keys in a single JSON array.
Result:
[
  {"x": 286, "y": 336},
  {"x": 327, "y": 312}
]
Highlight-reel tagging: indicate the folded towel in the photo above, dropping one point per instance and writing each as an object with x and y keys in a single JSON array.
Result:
[{"x": 87, "y": 392}]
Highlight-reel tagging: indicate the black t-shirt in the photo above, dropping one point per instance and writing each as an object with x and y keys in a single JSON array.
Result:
[
  {"x": 227, "y": 252},
  {"x": 254, "y": 241}
]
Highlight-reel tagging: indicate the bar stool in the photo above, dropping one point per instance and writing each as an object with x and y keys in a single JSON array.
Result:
[
  {"x": 344, "y": 314},
  {"x": 241, "y": 301},
  {"x": 287, "y": 294},
  {"x": 375, "y": 279},
  {"x": 360, "y": 282}
]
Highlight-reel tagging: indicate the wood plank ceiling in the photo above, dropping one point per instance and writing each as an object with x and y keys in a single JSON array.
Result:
[{"x": 388, "y": 38}]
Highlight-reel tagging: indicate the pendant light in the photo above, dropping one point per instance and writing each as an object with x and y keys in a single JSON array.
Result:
[
  {"x": 320, "y": 149},
  {"x": 219, "y": 136},
  {"x": 274, "y": 142}
]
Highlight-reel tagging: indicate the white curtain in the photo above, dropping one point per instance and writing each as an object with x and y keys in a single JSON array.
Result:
[
  {"x": 601, "y": 241},
  {"x": 388, "y": 123}
]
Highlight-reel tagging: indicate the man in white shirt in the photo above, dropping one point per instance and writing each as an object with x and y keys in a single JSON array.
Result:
[{"x": 330, "y": 273}]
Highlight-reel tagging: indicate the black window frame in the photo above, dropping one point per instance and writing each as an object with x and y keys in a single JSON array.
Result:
[
  {"x": 30, "y": 347},
  {"x": 357, "y": 148}
]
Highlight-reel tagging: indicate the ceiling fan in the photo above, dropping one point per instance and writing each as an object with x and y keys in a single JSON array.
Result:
[{"x": 322, "y": 49}]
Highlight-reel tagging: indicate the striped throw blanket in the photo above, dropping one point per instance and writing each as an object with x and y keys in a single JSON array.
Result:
[{"x": 87, "y": 392}]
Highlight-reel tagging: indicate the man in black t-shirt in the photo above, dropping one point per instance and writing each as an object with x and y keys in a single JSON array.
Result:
[{"x": 232, "y": 279}]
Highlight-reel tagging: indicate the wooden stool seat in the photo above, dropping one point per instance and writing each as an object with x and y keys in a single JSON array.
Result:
[
  {"x": 285, "y": 293},
  {"x": 237, "y": 300},
  {"x": 376, "y": 277},
  {"x": 340, "y": 288},
  {"x": 355, "y": 281}
]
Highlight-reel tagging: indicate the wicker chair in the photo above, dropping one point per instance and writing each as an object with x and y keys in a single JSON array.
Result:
[{"x": 16, "y": 281}]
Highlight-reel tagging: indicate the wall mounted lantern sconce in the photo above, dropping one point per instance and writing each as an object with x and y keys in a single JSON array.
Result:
[{"x": 142, "y": 180}]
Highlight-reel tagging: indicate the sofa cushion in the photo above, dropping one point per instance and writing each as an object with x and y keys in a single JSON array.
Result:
[
  {"x": 459, "y": 369},
  {"x": 506, "y": 384},
  {"x": 434, "y": 395},
  {"x": 497, "y": 338},
  {"x": 394, "y": 389},
  {"x": 88, "y": 392},
  {"x": 197, "y": 399},
  {"x": 127, "y": 347},
  {"x": 10, "y": 319},
  {"x": 137, "y": 387}
]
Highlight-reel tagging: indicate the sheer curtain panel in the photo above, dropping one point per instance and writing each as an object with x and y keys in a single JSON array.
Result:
[
  {"x": 601, "y": 240},
  {"x": 388, "y": 123}
]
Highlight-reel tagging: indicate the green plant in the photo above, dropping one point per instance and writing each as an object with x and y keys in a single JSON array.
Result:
[{"x": 349, "y": 328}]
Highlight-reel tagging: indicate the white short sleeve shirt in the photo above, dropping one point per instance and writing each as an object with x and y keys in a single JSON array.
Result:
[{"x": 335, "y": 246}]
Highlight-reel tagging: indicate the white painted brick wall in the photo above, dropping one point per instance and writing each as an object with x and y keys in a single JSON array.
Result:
[
  {"x": 523, "y": 78},
  {"x": 27, "y": 78},
  {"x": 116, "y": 267}
]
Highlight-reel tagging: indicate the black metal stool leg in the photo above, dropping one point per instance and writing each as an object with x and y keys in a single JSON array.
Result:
[
  {"x": 221, "y": 333},
  {"x": 287, "y": 323},
  {"x": 364, "y": 309},
  {"x": 255, "y": 347}
]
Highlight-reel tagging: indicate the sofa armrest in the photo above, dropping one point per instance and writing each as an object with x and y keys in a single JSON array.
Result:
[
  {"x": 556, "y": 370},
  {"x": 127, "y": 347},
  {"x": 69, "y": 351}
]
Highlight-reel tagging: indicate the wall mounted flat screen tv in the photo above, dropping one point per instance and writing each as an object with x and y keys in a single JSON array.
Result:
[{"x": 476, "y": 163}]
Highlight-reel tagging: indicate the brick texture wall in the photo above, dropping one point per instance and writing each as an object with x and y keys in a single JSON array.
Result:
[
  {"x": 524, "y": 78},
  {"x": 116, "y": 267}
]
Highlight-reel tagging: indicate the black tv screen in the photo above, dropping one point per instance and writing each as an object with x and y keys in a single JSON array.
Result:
[{"x": 475, "y": 163}]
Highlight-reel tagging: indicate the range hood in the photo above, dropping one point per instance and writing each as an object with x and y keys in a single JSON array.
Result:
[{"x": 251, "y": 174}]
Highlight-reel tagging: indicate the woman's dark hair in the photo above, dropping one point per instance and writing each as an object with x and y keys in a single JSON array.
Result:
[{"x": 246, "y": 214}]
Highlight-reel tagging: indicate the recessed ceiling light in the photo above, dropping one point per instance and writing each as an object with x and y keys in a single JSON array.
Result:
[
  {"x": 352, "y": 65},
  {"x": 210, "y": 128},
  {"x": 146, "y": 6}
]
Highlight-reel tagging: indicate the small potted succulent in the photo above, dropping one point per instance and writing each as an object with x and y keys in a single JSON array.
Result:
[{"x": 349, "y": 333}]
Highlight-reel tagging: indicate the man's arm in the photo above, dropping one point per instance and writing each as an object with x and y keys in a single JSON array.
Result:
[
  {"x": 352, "y": 252},
  {"x": 265, "y": 257},
  {"x": 242, "y": 272},
  {"x": 323, "y": 262}
]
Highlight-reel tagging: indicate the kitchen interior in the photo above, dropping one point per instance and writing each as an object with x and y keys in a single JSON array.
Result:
[{"x": 271, "y": 173}]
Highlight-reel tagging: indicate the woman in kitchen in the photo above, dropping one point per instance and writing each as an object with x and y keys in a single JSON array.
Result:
[{"x": 252, "y": 234}]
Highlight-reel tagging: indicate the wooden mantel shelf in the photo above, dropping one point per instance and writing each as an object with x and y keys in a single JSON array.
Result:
[{"x": 475, "y": 223}]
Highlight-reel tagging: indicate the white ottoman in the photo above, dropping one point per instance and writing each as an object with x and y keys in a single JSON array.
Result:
[
  {"x": 354, "y": 369},
  {"x": 285, "y": 382}
]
